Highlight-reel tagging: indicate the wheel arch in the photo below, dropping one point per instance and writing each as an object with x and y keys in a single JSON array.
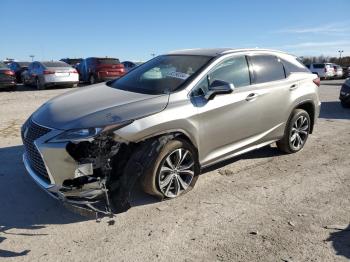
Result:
[{"x": 309, "y": 107}]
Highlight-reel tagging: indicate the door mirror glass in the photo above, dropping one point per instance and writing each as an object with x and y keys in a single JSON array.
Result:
[{"x": 219, "y": 87}]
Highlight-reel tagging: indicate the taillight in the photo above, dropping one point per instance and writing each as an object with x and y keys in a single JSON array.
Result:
[
  {"x": 74, "y": 71},
  {"x": 48, "y": 72},
  {"x": 317, "y": 81},
  {"x": 9, "y": 72}
]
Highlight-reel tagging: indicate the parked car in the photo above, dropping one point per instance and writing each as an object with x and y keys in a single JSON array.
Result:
[
  {"x": 7, "y": 77},
  {"x": 346, "y": 72},
  {"x": 344, "y": 96},
  {"x": 323, "y": 70},
  {"x": 50, "y": 73},
  {"x": 18, "y": 68},
  {"x": 72, "y": 61},
  {"x": 98, "y": 69},
  {"x": 206, "y": 105},
  {"x": 338, "y": 71},
  {"x": 128, "y": 65}
]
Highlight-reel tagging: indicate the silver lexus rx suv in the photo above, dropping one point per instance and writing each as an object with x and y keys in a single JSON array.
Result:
[{"x": 165, "y": 120}]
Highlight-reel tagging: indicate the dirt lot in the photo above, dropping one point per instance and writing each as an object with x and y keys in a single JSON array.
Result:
[{"x": 262, "y": 206}]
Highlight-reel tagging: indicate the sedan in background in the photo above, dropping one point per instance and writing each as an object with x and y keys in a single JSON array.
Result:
[
  {"x": 97, "y": 69},
  {"x": 7, "y": 77},
  {"x": 72, "y": 61},
  {"x": 52, "y": 73},
  {"x": 18, "y": 68}
]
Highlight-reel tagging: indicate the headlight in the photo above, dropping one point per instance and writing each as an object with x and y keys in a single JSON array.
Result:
[{"x": 85, "y": 133}]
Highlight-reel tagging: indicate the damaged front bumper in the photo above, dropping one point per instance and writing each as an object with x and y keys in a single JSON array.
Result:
[
  {"x": 63, "y": 174},
  {"x": 92, "y": 198}
]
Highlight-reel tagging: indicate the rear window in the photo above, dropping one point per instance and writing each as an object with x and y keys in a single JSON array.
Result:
[
  {"x": 23, "y": 64},
  {"x": 55, "y": 64},
  {"x": 107, "y": 61},
  {"x": 266, "y": 68},
  {"x": 318, "y": 65}
]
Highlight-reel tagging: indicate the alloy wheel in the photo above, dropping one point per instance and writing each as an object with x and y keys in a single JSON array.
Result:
[
  {"x": 299, "y": 132},
  {"x": 176, "y": 173}
]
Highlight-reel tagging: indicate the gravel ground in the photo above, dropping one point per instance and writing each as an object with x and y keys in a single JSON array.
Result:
[{"x": 262, "y": 206}]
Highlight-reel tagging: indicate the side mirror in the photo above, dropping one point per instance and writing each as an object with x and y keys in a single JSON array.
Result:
[{"x": 219, "y": 87}]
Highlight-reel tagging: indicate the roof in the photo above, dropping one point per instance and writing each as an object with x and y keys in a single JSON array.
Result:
[{"x": 216, "y": 51}]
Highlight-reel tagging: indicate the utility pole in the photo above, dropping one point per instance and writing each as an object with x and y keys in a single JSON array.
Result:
[
  {"x": 32, "y": 57},
  {"x": 340, "y": 53}
]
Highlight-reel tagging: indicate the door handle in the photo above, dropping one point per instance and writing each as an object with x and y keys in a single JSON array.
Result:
[
  {"x": 292, "y": 87},
  {"x": 251, "y": 96}
]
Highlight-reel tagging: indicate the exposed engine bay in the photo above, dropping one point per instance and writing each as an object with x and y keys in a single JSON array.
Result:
[{"x": 101, "y": 163}]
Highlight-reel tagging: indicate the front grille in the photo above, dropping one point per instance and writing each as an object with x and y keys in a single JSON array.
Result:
[{"x": 30, "y": 132}]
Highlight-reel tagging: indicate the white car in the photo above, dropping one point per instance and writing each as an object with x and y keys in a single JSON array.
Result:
[
  {"x": 338, "y": 71},
  {"x": 44, "y": 74},
  {"x": 323, "y": 70}
]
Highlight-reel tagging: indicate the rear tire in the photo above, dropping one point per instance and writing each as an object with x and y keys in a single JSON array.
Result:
[
  {"x": 296, "y": 132},
  {"x": 39, "y": 85},
  {"x": 92, "y": 80}
]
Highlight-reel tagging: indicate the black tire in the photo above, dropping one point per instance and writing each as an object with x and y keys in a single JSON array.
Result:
[
  {"x": 344, "y": 104},
  {"x": 39, "y": 85},
  {"x": 152, "y": 176},
  {"x": 92, "y": 80},
  {"x": 289, "y": 145}
]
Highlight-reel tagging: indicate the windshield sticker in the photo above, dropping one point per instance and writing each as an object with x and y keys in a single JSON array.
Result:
[{"x": 178, "y": 75}]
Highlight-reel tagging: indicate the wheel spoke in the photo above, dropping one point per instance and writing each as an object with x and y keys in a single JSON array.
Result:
[
  {"x": 169, "y": 185},
  {"x": 303, "y": 132},
  {"x": 165, "y": 182},
  {"x": 187, "y": 171},
  {"x": 293, "y": 137},
  {"x": 176, "y": 186},
  {"x": 169, "y": 162},
  {"x": 183, "y": 184},
  {"x": 183, "y": 158}
]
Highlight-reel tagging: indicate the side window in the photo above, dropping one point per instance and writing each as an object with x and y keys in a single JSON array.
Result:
[
  {"x": 267, "y": 68},
  {"x": 233, "y": 70},
  {"x": 294, "y": 67}
]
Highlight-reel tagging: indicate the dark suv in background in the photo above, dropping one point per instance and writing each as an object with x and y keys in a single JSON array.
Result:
[
  {"x": 18, "y": 68},
  {"x": 97, "y": 69}
]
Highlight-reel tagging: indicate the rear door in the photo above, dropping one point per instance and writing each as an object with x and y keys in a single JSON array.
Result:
[{"x": 274, "y": 94}]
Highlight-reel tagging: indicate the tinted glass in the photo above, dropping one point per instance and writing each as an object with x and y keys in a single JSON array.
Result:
[
  {"x": 318, "y": 65},
  {"x": 294, "y": 67},
  {"x": 107, "y": 61},
  {"x": 23, "y": 64},
  {"x": 162, "y": 74},
  {"x": 267, "y": 68},
  {"x": 234, "y": 70},
  {"x": 55, "y": 64}
]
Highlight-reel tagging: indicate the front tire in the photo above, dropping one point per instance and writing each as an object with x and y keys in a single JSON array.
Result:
[
  {"x": 174, "y": 172},
  {"x": 296, "y": 133}
]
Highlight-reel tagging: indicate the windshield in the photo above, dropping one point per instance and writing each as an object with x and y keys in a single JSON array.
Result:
[{"x": 162, "y": 74}]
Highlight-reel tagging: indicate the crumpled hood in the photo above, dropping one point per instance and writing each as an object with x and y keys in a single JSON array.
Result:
[{"x": 97, "y": 106}]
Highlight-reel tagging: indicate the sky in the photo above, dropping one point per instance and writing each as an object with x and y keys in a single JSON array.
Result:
[{"x": 133, "y": 30}]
